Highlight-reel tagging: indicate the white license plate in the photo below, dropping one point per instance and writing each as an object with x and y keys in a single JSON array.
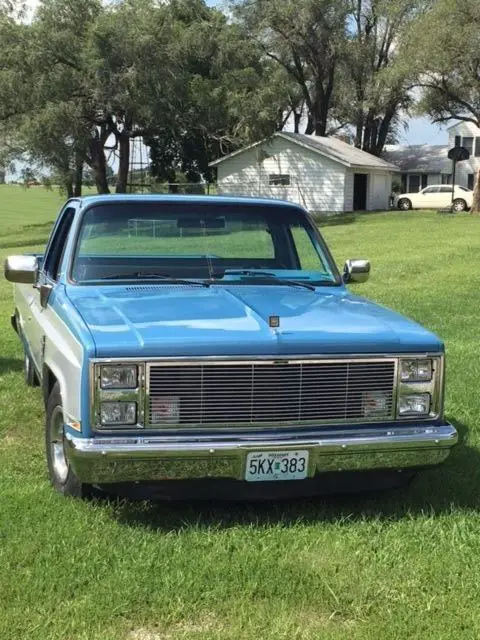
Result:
[{"x": 276, "y": 465}]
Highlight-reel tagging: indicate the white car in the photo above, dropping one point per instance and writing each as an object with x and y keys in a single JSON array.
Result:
[{"x": 437, "y": 196}]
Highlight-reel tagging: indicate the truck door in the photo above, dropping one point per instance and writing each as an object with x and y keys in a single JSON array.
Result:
[{"x": 48, "y": 278}]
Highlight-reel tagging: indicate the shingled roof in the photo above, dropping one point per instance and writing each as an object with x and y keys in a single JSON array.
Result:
[
  {"x": 329, "y": 147},
  {"x": 419, "y": 158}
]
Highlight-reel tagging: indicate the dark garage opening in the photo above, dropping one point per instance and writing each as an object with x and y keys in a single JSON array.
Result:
[{"x": 360, "y": 191}]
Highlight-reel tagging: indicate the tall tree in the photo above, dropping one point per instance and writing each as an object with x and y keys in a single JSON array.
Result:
[
  {"x": 83, "y": 79},
  {"x": 375, "y": 87},
  {"x": 42, "y": 86},
  {"x": 223, "y": 97},
  {"x": 444, "y": 48},
  {"x": 306, "y": 38}
]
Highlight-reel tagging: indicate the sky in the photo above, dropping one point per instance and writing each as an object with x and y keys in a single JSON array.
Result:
[{"x": 419, "y": 130}]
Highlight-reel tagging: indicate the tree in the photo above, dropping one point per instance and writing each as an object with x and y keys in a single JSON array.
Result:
[
  {"x": 444, "y": 49},
  {"x": 223, "y": 97},
  {"x": 448, "y": 60},
  {"x": 42, "y": 90},
  {"x": 306, "y": 38},
  {"x": 374, "y": 86},
  {"x": 84, "y": 79}
]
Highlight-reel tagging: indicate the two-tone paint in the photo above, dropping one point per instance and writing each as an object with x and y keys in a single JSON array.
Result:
[{"x": 73, "y": 326}]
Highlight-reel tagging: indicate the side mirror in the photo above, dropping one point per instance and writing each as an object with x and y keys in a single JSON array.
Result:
[
  {"x": 356, "y": 270},
  {"x": 22, "y": 269}
]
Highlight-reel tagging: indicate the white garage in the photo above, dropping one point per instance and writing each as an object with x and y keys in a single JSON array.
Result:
[{"x": 322, "y": 174}]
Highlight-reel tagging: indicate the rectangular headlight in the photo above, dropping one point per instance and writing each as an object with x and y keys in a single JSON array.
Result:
[
  {"x": 416, "y": 370},
  {"x": 118, "y": 377},
  {"x": 414, "y": 405},
  {"x": 118, "y": 413}
]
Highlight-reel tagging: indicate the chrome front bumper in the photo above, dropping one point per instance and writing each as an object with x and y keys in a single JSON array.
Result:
[{"x": 106, "y": 460}]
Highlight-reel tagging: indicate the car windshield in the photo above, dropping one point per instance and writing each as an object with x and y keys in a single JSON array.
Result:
[{"x": 212, "y": 243}]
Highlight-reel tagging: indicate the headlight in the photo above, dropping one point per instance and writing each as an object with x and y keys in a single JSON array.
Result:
[
  {"x": 414, "y": 405},
  {"x": 118, "y": 377},
  {"x": 116, "y": 413},
  {"x": 416, "y": 370}
]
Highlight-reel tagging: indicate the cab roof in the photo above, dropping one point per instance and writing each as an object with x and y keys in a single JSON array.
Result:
[{"x": 208, "y": 200}]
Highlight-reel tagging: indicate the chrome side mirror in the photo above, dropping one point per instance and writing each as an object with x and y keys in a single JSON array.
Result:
[
  {"x": 22, "y": 269},
  {"x": 357, "y": 270}
]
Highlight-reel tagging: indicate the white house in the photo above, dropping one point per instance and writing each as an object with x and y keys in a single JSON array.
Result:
[
  {"x": 422, "y": 165},
  {"x": 321, "y": 174}
]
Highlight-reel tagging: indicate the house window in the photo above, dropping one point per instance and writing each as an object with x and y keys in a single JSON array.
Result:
[
  {"x": 424, "y": 180},
  {"x": 279, "y": 179},
  {"x": 446, "y": 178},
  {"x": 458, "y": 141},
  {"x": 468, "y": 144},
  {"x": 477, "y": 147},
  {"x": 414, "y": 183},
  {"x": 470, "y": 180}
]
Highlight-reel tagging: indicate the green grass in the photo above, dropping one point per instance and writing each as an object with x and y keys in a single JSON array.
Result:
[{"x": 403, "y": 564}]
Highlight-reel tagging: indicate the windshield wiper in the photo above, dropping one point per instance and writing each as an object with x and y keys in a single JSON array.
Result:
[
  {"x": 264, "y": 274},
  {"x": 155, "y": 276}
]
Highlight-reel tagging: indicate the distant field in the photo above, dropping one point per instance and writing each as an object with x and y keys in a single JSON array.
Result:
[{"x": 401, "y": 565}]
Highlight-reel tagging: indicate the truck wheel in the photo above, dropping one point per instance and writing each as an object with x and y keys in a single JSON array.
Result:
[
  {"x": 31, "y": 379},
  {"x": 61, "y": 475},
  {"x": 459, "y": 205}
]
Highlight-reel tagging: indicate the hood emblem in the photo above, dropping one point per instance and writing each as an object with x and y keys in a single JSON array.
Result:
[{"x": 274, "y": 321}]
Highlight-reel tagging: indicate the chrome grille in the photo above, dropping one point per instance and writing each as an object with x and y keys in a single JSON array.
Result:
[{"x": 267, "y": 393}]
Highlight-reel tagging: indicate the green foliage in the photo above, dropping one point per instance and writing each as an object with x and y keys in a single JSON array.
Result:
[
  {"x": 306, "y": 40},
  {"x": 218, "y": 103},
  {"x": 375, "y": 85},
  {"x": 83, "y": 79},
  {"x": 444, "y": 45},
  {"x": 338, "y": 61}
]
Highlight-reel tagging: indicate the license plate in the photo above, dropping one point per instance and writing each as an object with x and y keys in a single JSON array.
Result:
[{"x": 276, "y": 465}]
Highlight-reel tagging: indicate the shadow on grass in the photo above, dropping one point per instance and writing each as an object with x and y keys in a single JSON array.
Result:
[
  {"x": 453, "y": 485},
  {"x": 336, "y": 219},
  {"x": 10, "y": 365},
  {"x": 25, "y": 242},
  {"x": 46, "y": 226}
]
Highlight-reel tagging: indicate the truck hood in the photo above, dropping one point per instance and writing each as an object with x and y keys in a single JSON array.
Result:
[{"x": 176, "y": 320}]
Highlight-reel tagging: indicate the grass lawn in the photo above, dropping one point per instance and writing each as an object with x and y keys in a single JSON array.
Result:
[{"x": 403, "y": 564}]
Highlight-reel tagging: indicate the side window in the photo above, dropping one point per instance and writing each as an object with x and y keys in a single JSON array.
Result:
[
  {"x": 445, "y": 189},
  {"x": 56, "y": 247}
]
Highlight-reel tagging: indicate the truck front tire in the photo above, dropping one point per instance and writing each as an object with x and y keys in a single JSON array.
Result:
[{"x": 60, "y": 473}]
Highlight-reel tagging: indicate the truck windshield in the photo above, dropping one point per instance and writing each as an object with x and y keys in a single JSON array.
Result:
[{"x": 215, "y": 243}]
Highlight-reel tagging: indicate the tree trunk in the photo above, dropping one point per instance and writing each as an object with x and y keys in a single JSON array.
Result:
[
  {"x": 77, "y": 192},
  {"x": 368, "y": 132},
  {"x": 320, "y": 114},
  {"x": 69, "y": 187},
  {"x": 359, "y": 131},
  {"x": 98, "y": 162},
  {"x": 124, "y": 162},
  {"x": 310, "y": 128},
  {"x": 296, "y": 121},
  {"x": 476, "y": 195}
]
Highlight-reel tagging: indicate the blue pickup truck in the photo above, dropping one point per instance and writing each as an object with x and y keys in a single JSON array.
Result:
[{"x": 210, "y": 346}]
